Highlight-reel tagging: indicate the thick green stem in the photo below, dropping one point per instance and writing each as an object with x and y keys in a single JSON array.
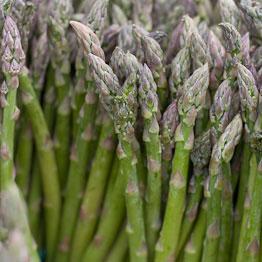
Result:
[
  {"x": 47, "y": 164},
  {"x": 194, "y": 247},
  {"x": 76, "y": 177},
  {"x": 242, "y": 189},
  {"x": 226, "y": 215},
  {"x": 119, "y": 250},
  {"x": 7, "y": 137},
  {"x": 35, "y": 200},
  {"x": 62, "y": 129},
  {"x": 210, "y": 252},
  {"x": 23, "y": 158},
  {"x": 249, "y": 237},
  {"x": 169, "y": 235},
  {"x": 134, "y": 205},
  {"x": 11, "y": 198},
  {"x": 191, "y": 210},
  {"x": 94, "y": 192},
  {"x": 153, "y": 188}
]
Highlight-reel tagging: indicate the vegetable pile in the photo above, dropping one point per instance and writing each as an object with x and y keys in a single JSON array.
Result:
[{"x": 131, "y": 130}]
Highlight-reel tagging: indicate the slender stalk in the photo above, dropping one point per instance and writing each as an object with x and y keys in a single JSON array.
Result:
[
  {"x": 34, "y": 202},
  {"x": 222, "y": 151},
  {"x": 149, "y": 105},
  {"x": 23, "y": 157},
  {"x": 194, "y": 247},
  {"x": 47, "y": 164},
  {"x": 76, "y": 175},
  {"x": 226, "y": 214},
  {"x": 200, "y": 157},
  {"x": 89, "y": 210},
  {"x": 119, "y": 249},
  {"x": 13, "y": 59},
  {"x": 190, "y": 101}
]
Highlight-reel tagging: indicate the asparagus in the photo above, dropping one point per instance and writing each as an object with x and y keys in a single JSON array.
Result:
[
  {"x": 249, "y": 103},
  {"x": 149, "y": 108},
  {"x": 89, "y": 210},
  {"x": 169, "y": 123},
  {"x": 154, "y": 59},
  {"x": 200, "y": 157},
  {"x": 124, "y": 115},
  {"x": 13, "y": 59},
  {"x": 221, "y": 154},
  {"x": 58, "y": 23},
  {"x": 189, "y": 105},
  {"x": 119, "y": 249},
  {"x": 46, "y": 158},
  {"x": 80, "y": 149},
  {"x": 194, "y": 246}
]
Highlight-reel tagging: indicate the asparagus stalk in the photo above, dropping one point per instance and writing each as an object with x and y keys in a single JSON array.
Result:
[
  {"x": 200, "y": 157},
  {"x": 89, "y": 210},
  {"x": 189, "y": 105},
  {"x": 120, "y": 247},
  {"x": 46, "y": 158},
  {"x": 194, "y": 246},
  {"x": 169, "y": 123},
  {"x": 249, "y": 103},
  {"x": 58, "y": 23},
  {"x": 149, "y": 106},
  {"x": 221, "y": 154},
  {"x": 124, "y": 120},
  {"x": 13, "y": 59},
  {"x": 80, "y": 149}
]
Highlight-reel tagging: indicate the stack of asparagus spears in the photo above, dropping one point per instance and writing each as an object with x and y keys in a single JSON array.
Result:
[{"x": 131, "y": 130}]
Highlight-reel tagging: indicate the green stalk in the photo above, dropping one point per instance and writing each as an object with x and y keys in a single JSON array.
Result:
[
  {"x": 242, "y": 191},
  {"x": 48, "y": 168},
  {"x": 13, "y": 59},
  {"x": 62, "y": 128},
  {"x": 190, "y": 101},
  {"x": 49, "y": 99},
  {"x": 222, "y": 153},
  {"x": 191, "y": 211},
  {"x": 200, "y": 157},
  {"x": 110, "y": 221},
  {"x": 23, "y": 157},
  {"x": 169, "y": 235},
  {"x": 149, "y": 106},
  {"x": 193, "y": 249},
  {"x": 94, "y": 192},
  {"x": 76, "y": 176},
  {"x": 135, "y": 224},
  {"x": 245, "y": 236},
  {"x": 119, "y": 250},
  {"x": 226, "y": 215},
  {"x": 35, "y": 200}
]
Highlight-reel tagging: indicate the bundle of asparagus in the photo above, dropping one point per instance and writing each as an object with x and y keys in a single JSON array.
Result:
[{"x": 131, "y": 130}]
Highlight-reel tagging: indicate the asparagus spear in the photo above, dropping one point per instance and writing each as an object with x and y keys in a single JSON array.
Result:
[
  {"x": 58, "y": 23},
  {"x": 149, "y": 106},
  {"x": 200, "y": 157},
  {"x": 249, "y": 103},
  {"x": 13, "y": 59},
  {"x": 154, "y": 59},
  {"x": 89, "y": 210},
  {"x": 180, "y": 71},
  {"x": 194, "y": 246},
  {"x": 189, "y": 105},
  {"x": 121, "y": 105},
  {"x": 221, "y": 154},
  {"x": 169, "y": 123},
  {"x": 80, "y": 148},
  {"x": 120, "y": 247}
]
